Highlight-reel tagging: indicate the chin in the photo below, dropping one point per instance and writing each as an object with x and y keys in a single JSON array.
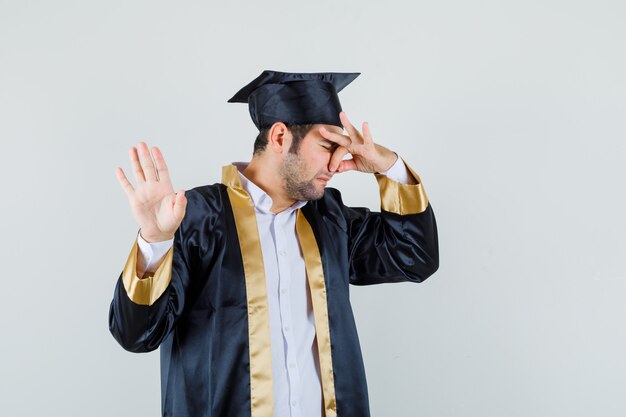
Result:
[
  {"x": 306, "y": 190},
  {"x": 310, "y": 195}
]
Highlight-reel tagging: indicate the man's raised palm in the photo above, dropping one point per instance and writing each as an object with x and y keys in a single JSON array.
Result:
[{"x": 157, "y": 209}]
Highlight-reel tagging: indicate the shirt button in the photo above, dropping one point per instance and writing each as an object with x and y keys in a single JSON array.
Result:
[
  {"x": 292, "y": 365},
  {"x": 283, "y": 291},
  {"x": 282, "y": 253},
  {"x": 294, "y": 403},
  {"x": 286, "y": 328}
]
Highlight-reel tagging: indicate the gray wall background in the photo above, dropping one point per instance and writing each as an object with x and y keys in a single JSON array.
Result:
[{"x": 511, "y": 111}]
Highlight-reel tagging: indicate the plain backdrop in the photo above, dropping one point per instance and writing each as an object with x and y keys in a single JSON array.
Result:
[{"x": 512, "y": 112}]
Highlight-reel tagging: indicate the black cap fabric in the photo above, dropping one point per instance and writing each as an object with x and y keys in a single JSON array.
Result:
[{"x": 294, "y": 98}]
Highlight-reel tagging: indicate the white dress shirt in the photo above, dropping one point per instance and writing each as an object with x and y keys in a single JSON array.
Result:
[{"x": 295, "y": 361}]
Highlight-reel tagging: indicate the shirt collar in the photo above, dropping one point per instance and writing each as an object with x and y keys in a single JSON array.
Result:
[{"x": 261, "y": 200}]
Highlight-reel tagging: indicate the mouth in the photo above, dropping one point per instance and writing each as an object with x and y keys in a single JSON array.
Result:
[{"x": 323, "y": 180}]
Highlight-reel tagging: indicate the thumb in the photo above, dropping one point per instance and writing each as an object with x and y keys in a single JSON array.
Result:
[
  {"x": 180, "y": 205},
  {"x": 347, "y": 165}
]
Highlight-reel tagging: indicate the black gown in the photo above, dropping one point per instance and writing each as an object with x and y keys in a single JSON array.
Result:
[{"x": 206, "y": 305}]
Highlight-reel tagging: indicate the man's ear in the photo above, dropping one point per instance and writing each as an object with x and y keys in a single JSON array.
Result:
[{"x": 279, "y": 137}]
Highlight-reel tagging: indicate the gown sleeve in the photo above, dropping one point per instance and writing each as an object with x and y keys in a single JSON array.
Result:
[
  {"x": 145, "y": 310},
  {"x": 397, "y": 244}
]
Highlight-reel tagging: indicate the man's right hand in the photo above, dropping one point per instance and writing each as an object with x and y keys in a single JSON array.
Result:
[{"x": 157, "y": 209}]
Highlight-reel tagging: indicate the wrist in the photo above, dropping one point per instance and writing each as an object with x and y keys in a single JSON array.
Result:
[
  {"x": 155, "y": 237},
  {"x": 387, "y": 160}
]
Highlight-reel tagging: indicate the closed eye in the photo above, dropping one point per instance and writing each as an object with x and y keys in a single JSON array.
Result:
[{"x": 330, "y": 146}]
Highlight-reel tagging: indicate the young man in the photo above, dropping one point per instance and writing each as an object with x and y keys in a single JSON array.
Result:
[{"x": 244, "y": 284}]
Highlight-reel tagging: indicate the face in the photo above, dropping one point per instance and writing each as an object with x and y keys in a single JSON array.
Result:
[{"x": 305, "y": 173}]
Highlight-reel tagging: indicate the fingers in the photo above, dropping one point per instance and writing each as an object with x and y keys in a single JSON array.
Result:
[
  {"x": 352, "y": 131},
  {"x": 336, "y": 158},
  {"x": 136, "y": 166},
  {"x": 147, "y": 165},
  {"x": 144, "y": 168},
  {"x": 161, "y": 167},
  {"x": 126, "y": 185},
  {"x": 339, "y": 139},
  {"x": 367, "y": 134}
]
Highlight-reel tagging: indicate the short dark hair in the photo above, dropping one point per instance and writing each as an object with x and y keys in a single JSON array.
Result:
[{"x": 298, "y": 132}]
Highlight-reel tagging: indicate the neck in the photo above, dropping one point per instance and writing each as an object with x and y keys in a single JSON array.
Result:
[{"x": 263, "y": 174}]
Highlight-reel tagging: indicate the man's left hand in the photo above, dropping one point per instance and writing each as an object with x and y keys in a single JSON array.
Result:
[{"x": 367, "y": 156}]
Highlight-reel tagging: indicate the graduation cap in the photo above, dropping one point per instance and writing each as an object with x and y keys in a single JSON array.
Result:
[{"x": 294, "y": 98}]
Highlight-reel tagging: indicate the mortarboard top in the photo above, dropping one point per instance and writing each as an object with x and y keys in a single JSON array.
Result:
[{"x": 294, "y": 98}]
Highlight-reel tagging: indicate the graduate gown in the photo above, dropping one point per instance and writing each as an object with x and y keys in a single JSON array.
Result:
[{"x": 206, "y": 305}]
